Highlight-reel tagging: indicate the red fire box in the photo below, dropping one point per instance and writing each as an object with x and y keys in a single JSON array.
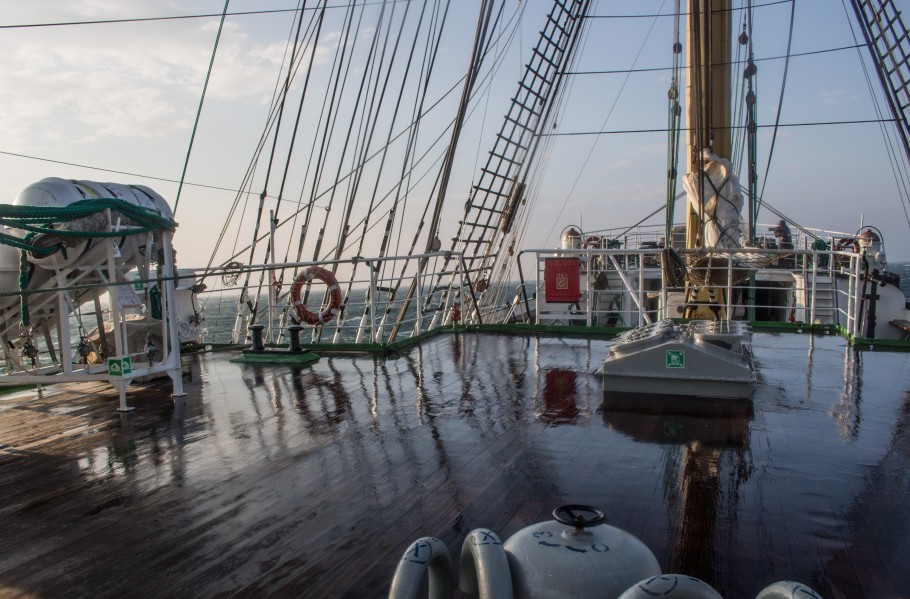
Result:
[{"x": 562, "y": 278}]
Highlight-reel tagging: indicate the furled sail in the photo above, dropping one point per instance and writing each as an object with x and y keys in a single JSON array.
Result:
[{"x": 722, "y": 211}]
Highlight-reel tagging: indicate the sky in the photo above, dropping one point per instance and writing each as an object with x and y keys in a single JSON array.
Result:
[{"x": 117, "y": 102}]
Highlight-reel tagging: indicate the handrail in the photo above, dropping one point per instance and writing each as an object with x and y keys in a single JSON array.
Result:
[
  {"x": 805, "y": 275},
  {"x": 368, "y": 313}
]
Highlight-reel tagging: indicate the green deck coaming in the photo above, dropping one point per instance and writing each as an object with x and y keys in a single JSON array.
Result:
[
  {"x": 276, "y": 357},
  {"x": 571, "y": 331},
  {"x": 9, "y": 390}
]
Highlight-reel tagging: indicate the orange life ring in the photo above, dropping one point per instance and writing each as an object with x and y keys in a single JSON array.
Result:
[
  {"x": 846, "y": 244},
  {"x": 304, "y": 278}
]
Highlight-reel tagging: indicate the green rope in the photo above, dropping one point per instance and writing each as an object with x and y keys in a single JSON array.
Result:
[
  {"x": 23, "y": 285},
  {"x": 14, "y": 216},
  {"x": 19, "y": 244},
  {"x": 41, "y": 220}
]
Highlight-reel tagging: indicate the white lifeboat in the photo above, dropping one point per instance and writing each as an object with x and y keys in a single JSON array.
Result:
[{"x": 54, "y": 192}]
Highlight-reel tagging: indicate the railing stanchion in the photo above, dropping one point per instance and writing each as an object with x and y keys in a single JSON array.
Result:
[{"x": 730, "y": 286}]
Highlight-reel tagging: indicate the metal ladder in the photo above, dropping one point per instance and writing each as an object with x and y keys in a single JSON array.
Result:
[
  {"x": 824, "y": 298},
  {"x": 887, "y": 39},
  {"x": 497, "y": 196}
]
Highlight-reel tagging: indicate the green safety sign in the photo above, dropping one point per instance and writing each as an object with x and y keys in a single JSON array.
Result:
[
  {"x": 119, "y": 366},
  {"x": 676, "y": 358}
]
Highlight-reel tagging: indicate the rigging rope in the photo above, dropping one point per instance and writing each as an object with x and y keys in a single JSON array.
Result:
[
  {"x": 732, "y": 62},
  {"x": 752, "y": 132},
  {"x": 244, "y": 191},
  {"x": 780, "y": 105},
  {"x": 674, "y": 113},
  {"x": 900, "y": 175},
  {"x": 262, "y": 196},
  {"x": 606, "y": 119},
  {"x": 406, "y": 130},
  {"x": 388, "y": 141},
  {"x": 199, "y": 16},
  {"x": 205, "y": 86}
]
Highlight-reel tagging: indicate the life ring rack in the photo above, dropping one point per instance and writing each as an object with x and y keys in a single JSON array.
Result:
[{"x": 334, "y": 292}]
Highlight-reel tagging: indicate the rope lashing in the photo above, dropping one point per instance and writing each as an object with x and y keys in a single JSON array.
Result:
[
  {"x": 40, "y": 220},
  {"x": 23, "y": 285}
]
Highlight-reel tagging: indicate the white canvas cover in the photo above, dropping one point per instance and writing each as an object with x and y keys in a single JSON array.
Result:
[{"x": 723, "y": 209}]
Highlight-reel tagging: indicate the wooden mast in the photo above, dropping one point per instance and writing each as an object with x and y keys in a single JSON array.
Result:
[{"x": 709, "y": 28}]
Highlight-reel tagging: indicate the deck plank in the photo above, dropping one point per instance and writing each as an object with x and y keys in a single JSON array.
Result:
[{"x": 281, "y": 481}]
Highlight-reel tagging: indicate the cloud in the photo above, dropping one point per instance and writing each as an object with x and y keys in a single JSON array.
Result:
[
  {"x": 620, "y": 164},
  {"x": 832, "y": 96},
  {"x": 129, "y": 82}
]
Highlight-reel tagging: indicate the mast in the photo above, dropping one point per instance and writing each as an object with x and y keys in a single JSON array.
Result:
[{"x": 709, "y": 28}]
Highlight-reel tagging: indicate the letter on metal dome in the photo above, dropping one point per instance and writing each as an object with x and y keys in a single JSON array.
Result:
[
  {"x": 787, "y": 589},
  {"x": 425, "y": 554},
  {"x": 484, "y": 566},
  {"x": 671, "y": 586}
]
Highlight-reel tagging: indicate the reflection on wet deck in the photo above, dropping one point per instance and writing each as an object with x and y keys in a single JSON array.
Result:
[{"x": 311, "y": 482}]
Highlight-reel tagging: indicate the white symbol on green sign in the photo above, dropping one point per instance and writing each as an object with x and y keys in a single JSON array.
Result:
[
  {"x": 676, "y": 358},
  {"x": 119, "y": 366}
]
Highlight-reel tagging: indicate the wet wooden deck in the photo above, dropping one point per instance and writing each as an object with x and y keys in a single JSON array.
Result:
[{"x": 271, "y": 481}]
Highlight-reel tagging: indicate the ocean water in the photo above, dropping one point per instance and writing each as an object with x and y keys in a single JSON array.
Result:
[
  {"x": 220, "y": 309},
  {"x": 903, "y": 269}
]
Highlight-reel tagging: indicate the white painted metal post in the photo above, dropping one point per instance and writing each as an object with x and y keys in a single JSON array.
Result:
[
  {"x": 537, "y": 292},
  {"x": 665, "y": 309},
  {"x": 625, "y": 281},
  {"x": 814, "y": 286},
  {"x": 641, "y": 292},
  {"x": 169, "y": 312},
  {"x": 729, "y": 286},
  {"x": 373, "y": 291},
  {"x": 271, "y": 271},
  {"x": 63, "y": 327},
  {"x": 114, "y": 300},
  {"x": 858, "y": 299},
  {"x": 419, "y": 304},
  {"x": 589, "y": 296}
]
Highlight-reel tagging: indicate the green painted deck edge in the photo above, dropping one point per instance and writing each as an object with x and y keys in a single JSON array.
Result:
[
  {"x": 276, "y": 358},
  {"x": 566, "y": 330},
  {"x": 189, "y": 348},
  {"x": 9, "y": 390},
  {"x": 500, "y": 329}
]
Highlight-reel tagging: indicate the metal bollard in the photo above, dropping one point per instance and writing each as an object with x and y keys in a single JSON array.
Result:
[
  {"x": 294, "y": 337},
  {"x": 256, "y": 331}
]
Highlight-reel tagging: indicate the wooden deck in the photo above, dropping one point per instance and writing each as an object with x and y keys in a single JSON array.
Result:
[{"x": 275, "y": 481}]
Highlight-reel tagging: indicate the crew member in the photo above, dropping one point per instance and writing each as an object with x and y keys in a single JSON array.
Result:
[{"x": 784, "y": 242}]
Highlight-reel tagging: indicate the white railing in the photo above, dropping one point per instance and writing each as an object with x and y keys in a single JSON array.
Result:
[
  {"x": 654, "y": 236},
  {"x": 383, "y": 299},
  {"x": 627, "y": 288}
]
